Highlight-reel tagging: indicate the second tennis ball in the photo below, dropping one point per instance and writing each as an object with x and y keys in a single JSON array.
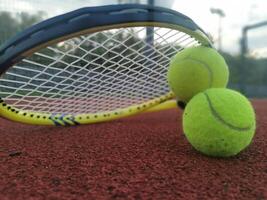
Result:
[
  {"x": 219, "y": 122},
  {"x": 196, "y": 69}
]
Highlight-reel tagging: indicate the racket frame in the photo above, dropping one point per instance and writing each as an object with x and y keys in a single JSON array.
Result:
[{"x": 86, "y": 21}]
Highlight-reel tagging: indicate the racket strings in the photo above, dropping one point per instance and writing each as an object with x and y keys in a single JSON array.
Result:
[
  {"x": 97, "y": 72},
  {"x": 35, "y": 77}
]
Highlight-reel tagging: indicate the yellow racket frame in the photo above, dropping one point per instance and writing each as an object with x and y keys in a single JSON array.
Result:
[{"x": 40, "y": 118}]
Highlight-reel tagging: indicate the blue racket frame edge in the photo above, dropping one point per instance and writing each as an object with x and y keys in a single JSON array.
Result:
[{"x": 93, "y": 19}]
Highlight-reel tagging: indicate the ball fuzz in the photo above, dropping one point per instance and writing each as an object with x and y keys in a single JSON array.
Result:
[
  {"x": 196, "y": 69},
  {"x": 219, "y": 122}
]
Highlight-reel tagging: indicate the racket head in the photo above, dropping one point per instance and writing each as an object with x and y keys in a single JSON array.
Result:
[{"x": 124, "y": 50}]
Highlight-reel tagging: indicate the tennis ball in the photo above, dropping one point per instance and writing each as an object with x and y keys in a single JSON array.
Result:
[
  {"x": 195, "y": 69},
  {"x": 219, "y": 122}
]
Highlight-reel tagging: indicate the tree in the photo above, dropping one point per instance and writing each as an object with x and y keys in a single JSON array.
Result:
[
  {"x": 9, "y": 26},
  {"x": 12, "y": 24}
]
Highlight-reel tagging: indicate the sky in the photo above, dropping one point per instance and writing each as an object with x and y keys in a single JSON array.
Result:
[{"x": 238, "y": 13}]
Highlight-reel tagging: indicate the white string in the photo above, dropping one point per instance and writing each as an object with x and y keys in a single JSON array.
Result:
[{"x": 96, "y": 72}]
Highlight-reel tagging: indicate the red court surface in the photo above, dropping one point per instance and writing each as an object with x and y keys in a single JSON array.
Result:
[{"x": 142, "y": 157}]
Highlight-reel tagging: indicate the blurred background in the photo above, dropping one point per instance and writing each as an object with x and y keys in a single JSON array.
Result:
[{"x": 238, "y": 29}]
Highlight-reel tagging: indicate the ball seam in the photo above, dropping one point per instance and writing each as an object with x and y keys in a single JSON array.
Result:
[
  {"x": 205, "y": 65},
  {"x": 220, "y": 119}
]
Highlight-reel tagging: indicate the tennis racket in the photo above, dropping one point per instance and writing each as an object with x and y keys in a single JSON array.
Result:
[{"x": 93, "y": 65}]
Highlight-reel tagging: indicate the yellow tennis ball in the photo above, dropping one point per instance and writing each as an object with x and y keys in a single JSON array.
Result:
[
  {"x": 219, "y": 122},
  {"x": 196, "y": 69}
]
